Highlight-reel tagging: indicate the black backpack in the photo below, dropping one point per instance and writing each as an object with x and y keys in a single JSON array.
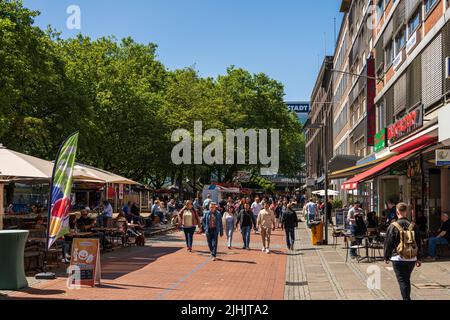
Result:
[{"x": 361, "y": 228}]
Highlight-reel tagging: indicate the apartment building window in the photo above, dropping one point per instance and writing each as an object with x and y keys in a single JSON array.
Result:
[
  {"x": 400, "y": 41},
  {"x": 381, "y": 116},
  {"x": 390, "y": 55},
  {"x": 414, "y": 23},
  {"x": 380, "y": 9},
  {"x": 429, "y": 5}
]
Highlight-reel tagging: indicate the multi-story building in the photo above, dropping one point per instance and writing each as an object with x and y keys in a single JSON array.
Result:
[
  {"x": 391, "y": 88},
  {"x": 319, "y": 140}
]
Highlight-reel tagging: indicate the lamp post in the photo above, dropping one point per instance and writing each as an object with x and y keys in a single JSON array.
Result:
[{"x": 321, "y": 126}]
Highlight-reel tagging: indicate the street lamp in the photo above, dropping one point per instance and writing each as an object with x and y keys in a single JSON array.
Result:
[{"x": 321, "y": 126}]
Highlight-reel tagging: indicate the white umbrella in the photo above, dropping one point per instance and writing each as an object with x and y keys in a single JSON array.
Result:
[
  {"x": 15, "y": 165},
  {"x": 322, "y": 193}
]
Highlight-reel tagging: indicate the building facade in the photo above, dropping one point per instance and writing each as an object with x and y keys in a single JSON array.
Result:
[
  {"x": 391, "y": 90},
  {"x": 318, "y": 146}
]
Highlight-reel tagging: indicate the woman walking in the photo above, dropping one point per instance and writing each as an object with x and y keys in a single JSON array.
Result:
[
  {"x": 229, "y": 223},
  {"x": 189, "y": 220}
]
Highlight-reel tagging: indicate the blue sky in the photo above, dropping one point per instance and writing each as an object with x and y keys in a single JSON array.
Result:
[{"x": 282, "y": 38}]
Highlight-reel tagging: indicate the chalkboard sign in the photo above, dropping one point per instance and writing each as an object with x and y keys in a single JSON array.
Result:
[{"x": 340, "y": 218}]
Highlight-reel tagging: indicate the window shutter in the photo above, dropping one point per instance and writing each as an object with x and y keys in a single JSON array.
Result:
[
  {"x": 411, "y": 7},
  {"x": 400, "y": 95},
  {"x": 389, "y": 103},
  {"x": 379, "y": 55},
  {"x": 432, "y": 70},
  {"x": 446, "y": 32},
  {"x": 414, "y": 82},
  {"x": 388, "y": 32},
  {"x": 399, "y": 15}
]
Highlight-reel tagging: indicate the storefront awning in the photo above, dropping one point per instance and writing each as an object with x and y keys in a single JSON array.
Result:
[
  {"x": 352, "y": 184},
  {"x": 349, "y": 172}
]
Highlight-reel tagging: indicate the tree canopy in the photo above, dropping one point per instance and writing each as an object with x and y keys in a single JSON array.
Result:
[{"x": 125, "y": 103}]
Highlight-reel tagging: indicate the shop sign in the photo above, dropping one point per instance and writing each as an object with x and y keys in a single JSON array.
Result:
[
  {"x": 398, "y": 60},
  {"x": 120, "y": 191},
  {"x": 442, "y": 158},
  {"x": 444, "y": 131},
  {"x": 411, "y": 42},
  {"x": 405, "y": 126},
  {"x": 310, "y": 182},
  {"x": 85, "y": 262},
  {"x": 380, "y": 140},
  {"x": 370, "y": 101}
]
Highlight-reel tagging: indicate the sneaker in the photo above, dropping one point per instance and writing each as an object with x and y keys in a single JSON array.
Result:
[
  {"x": 243, "y": 248},
  {"x": 430, "y": 259},
  {"x": 263, "y": 249},
  {"x": 213, "y": 258},
  {"x": 267, "y": 251}
]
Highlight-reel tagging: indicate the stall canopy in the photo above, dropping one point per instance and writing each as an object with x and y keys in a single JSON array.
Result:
[
  {"x": 90, "y": 173},
  {"x": 351, "y": 171},
  {"x": 352, "y": 184},
  {"x": 15, "y": 165}
]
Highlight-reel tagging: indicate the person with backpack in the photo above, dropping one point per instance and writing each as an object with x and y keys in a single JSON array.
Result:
[
  {"x": 289, "y": 221},
  {"x": 403, "y": 248}
]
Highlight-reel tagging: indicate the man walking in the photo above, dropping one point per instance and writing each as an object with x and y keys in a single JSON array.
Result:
[
  {"x": 245, "y": 221},
  {"x": 212, "y": 224},
  {"x": 403, "y": 248},
  {"x": 351, "y": 219},
  {"x": 265, "y": 221},
  {"x": 289, "y": 221},
  {"x": 256, "y": 208}
]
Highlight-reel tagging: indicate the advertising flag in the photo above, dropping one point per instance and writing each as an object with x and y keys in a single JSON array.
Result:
[{"x": 61, "y": 187}]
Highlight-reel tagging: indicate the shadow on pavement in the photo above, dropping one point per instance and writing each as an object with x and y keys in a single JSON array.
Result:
[
  {"x": 237, "y": 261},
  {"x": 132, "y": 260}
]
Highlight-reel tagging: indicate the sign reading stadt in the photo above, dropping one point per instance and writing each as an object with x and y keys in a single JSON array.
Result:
[{"x": 405, "y": 126}]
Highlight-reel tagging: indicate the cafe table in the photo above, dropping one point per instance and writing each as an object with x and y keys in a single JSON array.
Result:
[{"x": 12, "y": 270}]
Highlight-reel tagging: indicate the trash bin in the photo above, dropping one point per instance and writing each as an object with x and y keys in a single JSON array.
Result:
[
  {"x": 12, "y": 271},
  {"x": 317, "y": 234}
]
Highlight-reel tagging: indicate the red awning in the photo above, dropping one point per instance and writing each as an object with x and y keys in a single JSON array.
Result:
[{"x": 353, "y": 183}]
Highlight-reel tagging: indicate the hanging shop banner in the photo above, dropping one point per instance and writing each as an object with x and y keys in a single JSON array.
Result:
[
  {"x": 85, "y": 262},
  {"x": 403, "y": 127},
  {"x": 442, "y": 158},
  {"x": 380, "y": 141},
  {"x": 371, "y": 124},
  {"x": 120, "y": 191},
  {"x": 61, "y": 188}
]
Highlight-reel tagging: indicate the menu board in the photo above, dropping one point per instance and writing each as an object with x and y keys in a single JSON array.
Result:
[
  {"x": 85, "y": 261},
  {"x": 341, "y": 218}
]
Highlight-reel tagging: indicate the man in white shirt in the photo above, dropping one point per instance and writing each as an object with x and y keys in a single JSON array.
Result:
[
  {"x": 351, "y": 219},
  {"x": 256, "y": 208}
]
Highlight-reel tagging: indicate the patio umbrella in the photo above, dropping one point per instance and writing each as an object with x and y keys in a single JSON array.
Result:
[{"x": 16, "y": 165}]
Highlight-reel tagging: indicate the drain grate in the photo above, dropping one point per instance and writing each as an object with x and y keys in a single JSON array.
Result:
[
  {"x": 297, "y": 284},
  {"x": 429, "y": 286}
]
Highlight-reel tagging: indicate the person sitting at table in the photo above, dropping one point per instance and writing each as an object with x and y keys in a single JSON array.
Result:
[
  {"x": 422, "y": 223},
  {"x": 40, "y": 223},
  {"x": 443, "y": 238},
  {"x": 371, "y": 220},
  {"x": 126, "y": 211},
  {"x": 107, "y": 214},
  {"x": 136, "y": 214},
  {"x": 84, "y": 223}
]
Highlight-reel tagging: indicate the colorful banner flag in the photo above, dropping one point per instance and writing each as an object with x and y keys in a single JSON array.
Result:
[{"x": 61, "y": 187}]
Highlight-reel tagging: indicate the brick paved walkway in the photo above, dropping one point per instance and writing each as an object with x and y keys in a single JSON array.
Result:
[{"x": 165, "y": 270}]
